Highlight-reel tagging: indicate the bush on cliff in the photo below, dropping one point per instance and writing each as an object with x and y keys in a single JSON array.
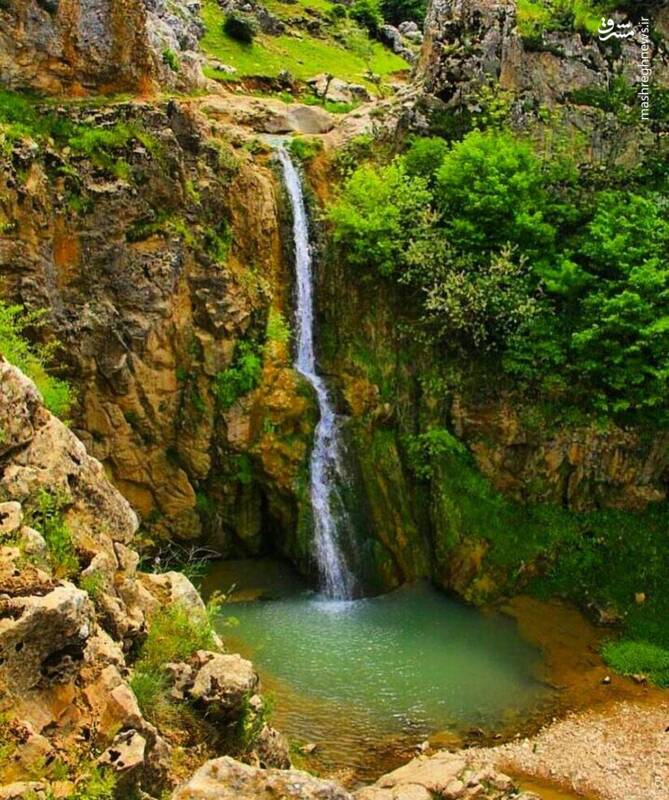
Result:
[
  {"x": 241, "y": 27},
  {"x": 32, "y": 359}
]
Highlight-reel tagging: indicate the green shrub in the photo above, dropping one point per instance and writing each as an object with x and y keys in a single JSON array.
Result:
[
  {"x": 396, "y": 11},
  {"x": 305, "y": 149},
  {"x": 171, "y": 59},
  {"x": 424, "y": 156},
  {"x": 241, "y": 377},
  {"x": 47, "y": 517},
  {"x": 490, "y": 191},
  {"x": 638, "y": 658},
  {"x": 176, "y": 632},
  {"x": 96, "y": 783},
  {"x": 240, "y": 26},
  {"x": 368, "y": 14},
  {"x": 424, "y": 448},
  {"x": 377, "y": 216},
  {"x": 32, "y": 359},
  {"x": 92, "y": 584},
  {"x": 218, "y": 241},
  {"x": 278, "y": 330}
]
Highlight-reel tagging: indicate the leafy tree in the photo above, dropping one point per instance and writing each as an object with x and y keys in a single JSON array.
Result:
[
  {"x": 621, "y": 339},
  {"x": 424, "y": 156},
  {"x": 378, "y": 213},
  {"x": 240, "y": 26},
  {"x": 368, "y": 14},
  {"x": 490, "y": 191}
]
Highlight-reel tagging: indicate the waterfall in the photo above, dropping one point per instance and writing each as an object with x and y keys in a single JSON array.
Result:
[{"x": 326, "y": 467}]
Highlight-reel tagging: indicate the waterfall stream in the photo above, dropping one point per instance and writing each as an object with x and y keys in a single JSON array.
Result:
[{"x": 326, "y": 469}]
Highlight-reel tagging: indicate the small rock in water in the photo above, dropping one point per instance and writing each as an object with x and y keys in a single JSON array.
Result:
[{"x": 309, "y": 749}]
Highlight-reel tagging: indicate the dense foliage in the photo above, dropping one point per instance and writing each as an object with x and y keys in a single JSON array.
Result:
[
  {"x": 32, "y": 359},
  {"x": 515, "y": 254}
]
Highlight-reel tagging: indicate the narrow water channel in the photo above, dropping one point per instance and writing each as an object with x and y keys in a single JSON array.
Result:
[{"x": 368, "y": 680}]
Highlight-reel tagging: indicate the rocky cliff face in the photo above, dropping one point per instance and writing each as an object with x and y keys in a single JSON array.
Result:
[
  {"x": 155, "y": 279},
  {"x": 102, "y": 46}
]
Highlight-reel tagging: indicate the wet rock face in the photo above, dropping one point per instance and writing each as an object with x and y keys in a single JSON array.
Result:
[{"x": 97, "y": 46}]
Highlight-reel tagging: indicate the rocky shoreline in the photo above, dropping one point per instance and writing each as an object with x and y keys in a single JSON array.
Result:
[{"x": 69, "y": 650}]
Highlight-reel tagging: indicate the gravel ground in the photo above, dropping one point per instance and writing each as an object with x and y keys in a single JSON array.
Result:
[{"x": 616, "y": 752}]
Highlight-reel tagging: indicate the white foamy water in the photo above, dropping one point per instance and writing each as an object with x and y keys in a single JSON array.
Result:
[{"x": 326, "y": 469}]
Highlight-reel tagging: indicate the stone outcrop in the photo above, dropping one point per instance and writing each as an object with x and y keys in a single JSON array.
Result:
[
  {"x": 582, "y": 467},
  {"x": 448, "y": 776},
  {"x": 95, "y": 46},
  {"x": 63, "y": 672},
  {"x": 219, "y": 682},
  {"x": 227, "y": 779},
  {"x": 470, "y": 43}
]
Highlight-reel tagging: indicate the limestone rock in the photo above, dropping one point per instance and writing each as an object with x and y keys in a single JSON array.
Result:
[
  {"x": 42, "y": 638},
  {"x": 446, "y": 775},
  {"x": 227, "y": 779},
  {"x": 297, "y": 119},
  {"x": 220, "y": 683},
  {"x": 97, "y": 46},
  {"x": 11, "y": 517},
  {"x": 271, "y": 749},
  {"x": 337, "y": 90},
  {"x": 47, "y": 455},
  {"x": 172, "y": 587},
  {"x": 21, "y": 790},
  {"x": 74, "y": 46}
]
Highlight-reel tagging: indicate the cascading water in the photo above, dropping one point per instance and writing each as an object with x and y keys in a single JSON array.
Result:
[{"x": 326, "y": 469}]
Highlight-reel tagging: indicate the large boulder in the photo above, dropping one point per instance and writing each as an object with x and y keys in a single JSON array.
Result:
[
  {"x": 227, "y": 779},
  {"x": 221, "y": 683}
]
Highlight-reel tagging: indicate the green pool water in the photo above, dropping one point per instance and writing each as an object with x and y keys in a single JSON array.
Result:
[{"x": 366, "y": 678}]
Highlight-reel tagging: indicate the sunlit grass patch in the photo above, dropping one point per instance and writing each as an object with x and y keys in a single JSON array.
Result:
[{"x": 302, "y": 57}]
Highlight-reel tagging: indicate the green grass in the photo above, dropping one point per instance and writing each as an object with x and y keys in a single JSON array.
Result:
[
  {"x": 536, "y": 16},
  {"x": 638, "y": 658},
  {"x": 47, "y": 518},
  {"x": 175, "y": 633},
  {"x": 303, "y": 58},
  {"x": 289, "y": 10}
]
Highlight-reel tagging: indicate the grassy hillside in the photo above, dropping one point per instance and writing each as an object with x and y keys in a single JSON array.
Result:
[{"x": 344, "y": 49}]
